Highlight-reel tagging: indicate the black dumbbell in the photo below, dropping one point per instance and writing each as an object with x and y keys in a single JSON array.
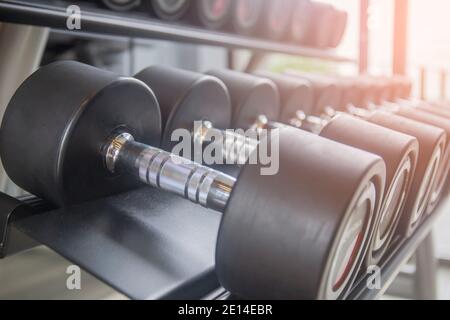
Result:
[
  {"x": 391, "y": 101},
  {"x": 427, "y": 116},
  {"x": 250, "y": 96},
  {"x": 322, "y": 25},
  {"x": 432, "y": 146},
  {"x": 292, "y": 242},
  {"x": 302, "y": 22},
  {"x": 326, "y": 91},
  {"x": 246, "y": 16},
  {"x": 213, "y": 14},
  {"x": 340, "y": 25},
  {"x": 276, "y": 18},
  {"x": 186, "y": 83},
  {"x": 295, "y": 95},
  {"x": 169, "y": 9},
  {"x": 181, "y": 93},
  {"x": 400, "y": 157},
  {"x": 400, "y": 153},
  {"x": 121, "y": 5},
  {"x": 186, "y": 97}
]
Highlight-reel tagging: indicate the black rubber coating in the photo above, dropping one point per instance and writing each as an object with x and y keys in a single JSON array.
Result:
[
  {"x": 185, "y": 97},
  {"x": 296, "y": 94},
  {"x": 323, "y": 25},
  {"x": 432, "y": 143},
  {"x": 326, "y": 91},
  {"x": 250, "y": 97},
  {"x": 302, "y": 22},
  {"x": 276, "y": 19},
  {"x": 400, "y": 153},
  {"x": 121, "y": 6},
  {"x": 58, "y": 122},
  {"x": 442, "y": 123},
  {"x": 177, "y": 13},
  {"x": 247, "y": 15},
  {"x": 214, "y": 14},
  {"x": 317, "y": 187},
  {"x": 340, "y": 18},
  {"x": 349, "y": 94}
]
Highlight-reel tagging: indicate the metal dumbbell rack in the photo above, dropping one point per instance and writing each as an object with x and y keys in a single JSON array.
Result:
[{"x": 147, "y": 245}]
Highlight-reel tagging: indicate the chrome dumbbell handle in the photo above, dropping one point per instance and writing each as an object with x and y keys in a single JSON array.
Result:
[
  {"x": 163, "y": 170},
  {"x": 235, "y": 148}
]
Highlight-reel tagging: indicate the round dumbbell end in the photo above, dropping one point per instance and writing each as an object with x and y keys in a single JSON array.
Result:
[
  {"x": 325, "y": 222},
  {"x": 69, "y": 111}
]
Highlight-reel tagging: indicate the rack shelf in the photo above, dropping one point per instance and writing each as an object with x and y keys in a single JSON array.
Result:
[
  {"x": 148, "y": 244},
  {"x": 53, "y": 14}
]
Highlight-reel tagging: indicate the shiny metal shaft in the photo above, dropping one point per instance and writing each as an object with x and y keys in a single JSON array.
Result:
[
  {"x": 235, "y": 148},
  {"x": 163, "y": 170}
]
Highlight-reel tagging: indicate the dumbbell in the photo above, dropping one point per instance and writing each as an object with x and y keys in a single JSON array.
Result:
[
  {"x": 322, "y": 25},
  {"x": 302, "y": 240},
  {"x": 395, "y": 90},
  {"x": 181, "y": 105},
  {"x": 301, "y": 22},
  {"x": 181, "y": 94},
  {"x": 433, "y": 141},
  {"x": 326, "y": 91},
  {"x": 379, "y": 92},
  {"x": 246, "y": 16},
  {"x": 295, "y": 95},
  {"x": 419, "y": 120},
  {"x": 340, "y": 18},
  {"x": 186, "y": 97},
  {"x": 276, "y": 19},
  {"x": 400, "y": 155},
  {"x": 121, "y": 5},
  {"x": 169, "y": 9},
  {"x": 213, "y": 14}
]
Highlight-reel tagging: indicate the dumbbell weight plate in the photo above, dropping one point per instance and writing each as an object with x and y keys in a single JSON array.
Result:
[
  {"x": 121, "y": 5},
  {"x": 326, "y": 92},
  {"x": 325, "y": 194},
  {"x": 170, "y": 9},
  {"x": 85, "y": 116},
  {"x": 246, "y": 16},
  {"x": 296, "y": 94},
  {"x": 185, "y": 97},
  {"x": 341, "y": 18},
  {"x": 400, "y": 155},
  {"x": 323, "y": 24},
  {"x": 442, "y": 123},
  {"x": 250, "y": 97},
  {"x": 214, "y": 14},
  {"x": 276, "y": 19},
  {"x": 301, "y": 21},
  {"x": 431, "y": 144}
]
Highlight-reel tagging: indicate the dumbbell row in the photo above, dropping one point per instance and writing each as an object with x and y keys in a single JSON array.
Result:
[
  {"x": 244, "y": 88},
  {"x": 394, "y": 102},
  {"x": 415, "y": 126},
  {"x": 146, "y": 162},
  {"x": 301, "y": 21},
  {"x": 307, "y": 241}
]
